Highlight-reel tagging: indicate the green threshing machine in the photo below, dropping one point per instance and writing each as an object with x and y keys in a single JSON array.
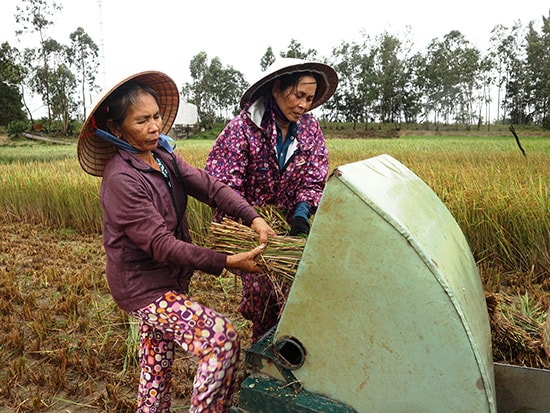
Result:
[{"x": 386, "y": 312}]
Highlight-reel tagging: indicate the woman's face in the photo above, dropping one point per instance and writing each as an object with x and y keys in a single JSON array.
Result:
[
  {"x": 143, "y": 122},
  {"x": 294, "y": 101}
]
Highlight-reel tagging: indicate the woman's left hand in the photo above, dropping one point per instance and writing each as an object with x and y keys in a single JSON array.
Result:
[
  {"x": 245, "y": 261},
  {"x": 263, "y": 229}
]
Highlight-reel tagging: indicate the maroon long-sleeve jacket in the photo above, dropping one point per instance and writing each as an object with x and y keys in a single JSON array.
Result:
[{"x": 145, "y": 230}]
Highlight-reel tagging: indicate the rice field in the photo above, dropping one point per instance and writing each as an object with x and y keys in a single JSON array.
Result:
[
  {"x": 499, "y": 198},
  {"x": 67, "y": 348}
]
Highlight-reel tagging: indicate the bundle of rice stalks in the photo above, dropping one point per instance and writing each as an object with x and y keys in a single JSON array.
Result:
[
  {"x": 280, "y": 258},
  {"x": 516, "y": 336},
  {"x": 274, "y": 218}
]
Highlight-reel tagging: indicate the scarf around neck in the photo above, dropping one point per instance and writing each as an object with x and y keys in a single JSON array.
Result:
[
  {"x": 165, "y": 141},
  {"x": 271, "y": 107}
]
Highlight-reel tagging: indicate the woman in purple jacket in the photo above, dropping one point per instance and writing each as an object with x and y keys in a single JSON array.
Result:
[
  {"x": 274, "y": 154},
  {"x": 150, "y": 255}
]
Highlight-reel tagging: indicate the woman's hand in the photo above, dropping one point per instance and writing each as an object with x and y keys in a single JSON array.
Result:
[
  {"x": 245, "y": 261},
  {"x": 263, "y": 229}
]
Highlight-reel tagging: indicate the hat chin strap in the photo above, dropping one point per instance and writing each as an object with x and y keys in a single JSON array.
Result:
[{"x": 165, "y": 141}]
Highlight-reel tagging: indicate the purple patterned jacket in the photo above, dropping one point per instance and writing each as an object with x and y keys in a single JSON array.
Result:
[{"x": 244, "y": 157}]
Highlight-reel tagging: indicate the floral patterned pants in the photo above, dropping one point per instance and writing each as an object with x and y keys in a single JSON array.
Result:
[
  {"x": 200, "y": 331},
  {"x": 260, "y": 303}
]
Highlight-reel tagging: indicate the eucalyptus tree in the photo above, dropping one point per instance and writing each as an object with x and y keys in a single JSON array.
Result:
[
  {"x": 267, "y": 59},
  {"x": 507, "y": 52},
  {"x": 421, "y": 84},
  {"x": 351, "y": 101},
  {"x": 413, "y": 102},
  {"x": 35, "y": 17},
  {"x": 448, "y": 68},
  {"x": 499, "y": 37},
  {"x": 198, "y": 91},
  {"x": 469, "y": 68},
  {"x": 82, "y": 55},
  {"x": 11, "y": 76},
  {"x": 390, "y": 74},
  {"x": 436, "y": 78},
  {"x": 537, "y": 72},
  {"x": 215, "y": 89},
  {"x": 43, "y": 76},
  {"x": 487, "y": 80},
  {"x": 61, "y": 84},
  {"x": 516, "y": 99},
  {"x": 296, "y": 50},
  {"x": 228, "y": 86},
  {"x": 64, "y": 106}
]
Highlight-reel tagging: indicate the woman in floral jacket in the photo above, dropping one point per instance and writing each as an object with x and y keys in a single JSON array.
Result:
[{"x": 274, "y": 154}]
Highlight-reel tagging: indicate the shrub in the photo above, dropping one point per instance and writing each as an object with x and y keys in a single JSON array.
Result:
[{"x": 17, "y": 127}]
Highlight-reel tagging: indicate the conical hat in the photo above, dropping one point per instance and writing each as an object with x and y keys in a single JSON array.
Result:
[
  {"x": 285, "y": 66},
  {"x": 94, "y": 152}
]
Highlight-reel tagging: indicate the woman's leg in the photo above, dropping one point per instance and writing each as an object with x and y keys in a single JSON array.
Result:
[
  {"x": 206, "y": 334},
  {"x": 156, "y": 359}
]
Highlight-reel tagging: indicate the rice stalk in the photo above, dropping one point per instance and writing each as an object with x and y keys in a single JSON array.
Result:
[
  {"x": 275, "y": 218},
  {"x": 516, "y": 336},
  {"x": 279, "y": 260},
  {"x": 132, "y": 345}
]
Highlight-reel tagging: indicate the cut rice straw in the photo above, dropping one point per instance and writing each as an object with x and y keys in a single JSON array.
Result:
[{"x": 279, "y": 259}]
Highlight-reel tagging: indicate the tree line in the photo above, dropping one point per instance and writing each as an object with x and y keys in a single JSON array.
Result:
[{"x": 382, "y": 78}]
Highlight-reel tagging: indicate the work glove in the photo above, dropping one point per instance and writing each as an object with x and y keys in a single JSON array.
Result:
[{"x": 299, "y": 227}]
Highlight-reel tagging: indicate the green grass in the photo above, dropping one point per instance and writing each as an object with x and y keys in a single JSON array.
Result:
[{"x": 32, "y": 152}]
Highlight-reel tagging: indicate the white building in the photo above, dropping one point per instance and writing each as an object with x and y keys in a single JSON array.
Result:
[{"x": 186, "y": 121}]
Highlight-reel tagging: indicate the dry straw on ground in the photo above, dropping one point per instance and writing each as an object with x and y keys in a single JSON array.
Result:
[{"x": 517, "y": 332}]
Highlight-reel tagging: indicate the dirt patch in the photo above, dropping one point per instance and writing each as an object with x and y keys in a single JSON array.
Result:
[{"x": 65, "y": 346}]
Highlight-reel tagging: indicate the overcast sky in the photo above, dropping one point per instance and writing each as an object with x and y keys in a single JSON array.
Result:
[{"x": 164, "y": 35}]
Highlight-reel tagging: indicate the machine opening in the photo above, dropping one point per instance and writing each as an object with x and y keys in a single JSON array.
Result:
[{"x": 290, "y": 352}]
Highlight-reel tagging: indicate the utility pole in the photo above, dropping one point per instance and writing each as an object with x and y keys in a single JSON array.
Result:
[{"x": 101, "y": 44}]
